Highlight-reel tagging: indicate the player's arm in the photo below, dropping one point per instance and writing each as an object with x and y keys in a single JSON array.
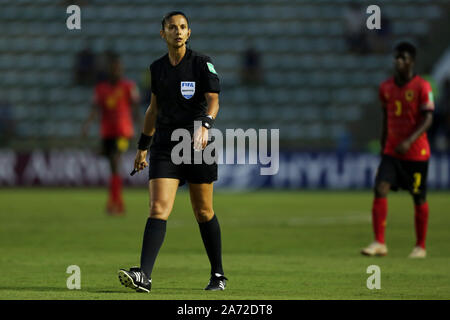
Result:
[
  {"x": 147, "y": 133},
  {"x": 384, "y": 129},
  {"x": 93, "y": 114},
  {"x": 422, "y": 127},
  {"x": 201, "y": 138}
]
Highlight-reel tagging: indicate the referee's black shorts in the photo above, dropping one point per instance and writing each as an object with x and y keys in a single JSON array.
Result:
[
  {"x": 402, "y": 174},
  {"x": 161, "y": 165}
]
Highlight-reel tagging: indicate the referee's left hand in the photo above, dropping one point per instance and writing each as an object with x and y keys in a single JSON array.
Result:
[{"x": 200, "y": 138}]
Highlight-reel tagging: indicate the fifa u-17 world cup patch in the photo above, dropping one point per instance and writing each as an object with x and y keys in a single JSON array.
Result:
[
  {"x": 187, "y": 89},
  {"x": 211, "y": 67}
]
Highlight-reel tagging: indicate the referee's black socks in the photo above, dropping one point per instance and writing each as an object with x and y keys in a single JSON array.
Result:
[
  {"x": 154, "y": 233},
  {"x": 211, "y": 237}
]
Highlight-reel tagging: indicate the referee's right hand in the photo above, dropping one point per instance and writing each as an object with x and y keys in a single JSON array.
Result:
[{"x": 140, "y": 163}]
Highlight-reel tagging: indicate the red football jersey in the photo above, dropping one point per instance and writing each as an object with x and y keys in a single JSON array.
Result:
[
  {"x": 404, "y": 106},
  {"x": 115, "y": 102}
]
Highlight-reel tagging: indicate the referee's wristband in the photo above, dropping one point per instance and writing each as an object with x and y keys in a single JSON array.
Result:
[
  {"x": 207, "y": 121},
  {"x": 144, "y": 142}
]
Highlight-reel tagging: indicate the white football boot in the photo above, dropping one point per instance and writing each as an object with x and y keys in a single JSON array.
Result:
[
  {"x": 375, "y": 249},
  {"x": 418, "y": 252}
]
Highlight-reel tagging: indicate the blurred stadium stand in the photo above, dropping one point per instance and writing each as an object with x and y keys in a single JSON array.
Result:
[{"x": 319, "y": 94}]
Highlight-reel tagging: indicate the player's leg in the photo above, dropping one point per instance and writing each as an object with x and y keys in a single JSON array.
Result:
[
  {"x": 421, "y": 210},
  {"x": 202, "y": 204},
  {"x": 380, "y": 209},
  {"x": 386, "y": 175},
  {"x": 115, "y": 203},
  {"x": 162, "y": 196},
  {"x": 379, "y": 215},
  {"x": 109, "y": 151},
  {"x": 121, "y": 145}
]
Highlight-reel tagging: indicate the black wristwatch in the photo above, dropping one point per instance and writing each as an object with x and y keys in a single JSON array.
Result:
[{"x": 207, "y": 121}]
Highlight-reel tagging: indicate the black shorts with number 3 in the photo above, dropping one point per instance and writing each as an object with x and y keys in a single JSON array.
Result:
[{"x": 402, "y": 174}]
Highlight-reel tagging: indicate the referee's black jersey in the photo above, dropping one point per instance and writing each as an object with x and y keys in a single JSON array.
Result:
[{"x": 180, "y": 90}]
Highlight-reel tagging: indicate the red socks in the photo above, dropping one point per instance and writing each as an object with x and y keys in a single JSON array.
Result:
[
  {"x": 116, "y": 187},
  {"x": 115, "y": 192},
  {"x": 379, "y": 214},
  {"x": 421, "y": 223}
]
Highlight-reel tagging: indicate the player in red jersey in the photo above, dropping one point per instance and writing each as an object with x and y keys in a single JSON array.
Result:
[
  {"x": 116, "y": 99},
  {"x": 408, "y": 105}
]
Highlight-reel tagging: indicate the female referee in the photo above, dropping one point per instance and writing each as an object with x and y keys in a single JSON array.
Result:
[{"x": 185, "y": 88}]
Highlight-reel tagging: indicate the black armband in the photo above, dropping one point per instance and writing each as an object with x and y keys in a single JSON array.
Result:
[
  {"x": 144, "y": 142},
  {"x": 207, "y": 121}
]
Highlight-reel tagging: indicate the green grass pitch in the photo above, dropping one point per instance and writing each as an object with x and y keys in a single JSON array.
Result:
[{"x": 276, "y": 245}]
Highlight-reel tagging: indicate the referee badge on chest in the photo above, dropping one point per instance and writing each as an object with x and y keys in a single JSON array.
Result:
[{"x": 187, "y": 89}]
